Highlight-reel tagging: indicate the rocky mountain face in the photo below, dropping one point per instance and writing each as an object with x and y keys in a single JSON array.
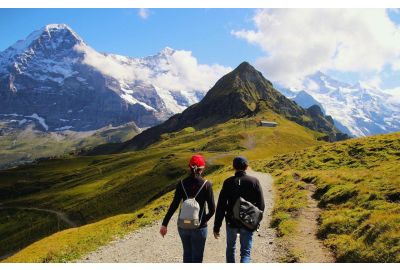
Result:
[
  {"x": 241, "y": 93},
  {"x": 356, "y": 109},
  {"x": 54, "y": 78}
]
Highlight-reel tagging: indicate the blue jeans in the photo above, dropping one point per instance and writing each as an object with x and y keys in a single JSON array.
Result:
[
  {"x": 246, "y": 241},
  {"x": 193, "y": 242}
]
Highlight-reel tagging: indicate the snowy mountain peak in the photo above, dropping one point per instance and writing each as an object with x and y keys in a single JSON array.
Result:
[
  {"x": 50, "y": 37},
  {"x": 358, "y": 109},
  {"x": 62, "y": 29},
  {"x": 69, "y": 84},
  {"x": 57, "y": 26},
  {"x": 167, "y": 51}
]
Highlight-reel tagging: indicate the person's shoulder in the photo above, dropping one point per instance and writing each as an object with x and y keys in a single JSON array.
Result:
[
  {"x": 208, "y": 183},
  {"x": 252, "y": 179},
  {"x": 229, "y": 180},
  {"x": 184, "y": 180}
]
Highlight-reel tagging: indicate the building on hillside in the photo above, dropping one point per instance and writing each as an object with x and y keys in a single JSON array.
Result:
[{"x": 267, "y": 124}]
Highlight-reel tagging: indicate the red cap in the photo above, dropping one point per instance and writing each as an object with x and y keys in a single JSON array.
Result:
[{"x": 197, "y": 161}]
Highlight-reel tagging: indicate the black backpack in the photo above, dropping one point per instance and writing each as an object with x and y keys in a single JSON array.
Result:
[{"x": 246, "y": 213}]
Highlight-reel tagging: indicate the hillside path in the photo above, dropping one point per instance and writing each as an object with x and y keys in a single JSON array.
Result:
[
  {"x": 305, "y": 243},
  {"x": 60, "y": 215},
  {"x": 147, "y": 246}
]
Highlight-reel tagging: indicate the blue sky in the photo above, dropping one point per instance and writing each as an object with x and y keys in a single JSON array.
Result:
[
  {"x": 208, "y": 33},
  {"x": 205, "y": 32}
]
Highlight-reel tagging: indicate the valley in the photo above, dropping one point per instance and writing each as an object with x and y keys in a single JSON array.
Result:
[
  {"x": 114, "y": 189},
  {"x": 27, "y": 143},
  {"x": 92, "y": 188}
]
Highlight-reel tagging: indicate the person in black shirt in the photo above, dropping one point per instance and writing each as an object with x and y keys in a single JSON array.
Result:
[
  {"x": 193, "y": 240},
  {"x": 250, "y": 190}
]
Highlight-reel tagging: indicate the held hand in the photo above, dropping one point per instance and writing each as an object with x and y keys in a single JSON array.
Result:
[
  {"x": 216, "y": 235},
  {"x": 163, "y": 231}
]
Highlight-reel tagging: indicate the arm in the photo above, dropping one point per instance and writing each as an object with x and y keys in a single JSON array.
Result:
[
  {"x": 174, "y": 205},
  {"x": 221, "y": 209},
  {"x": 210, "y": 202},
  {"x": 260, "y": 197}
]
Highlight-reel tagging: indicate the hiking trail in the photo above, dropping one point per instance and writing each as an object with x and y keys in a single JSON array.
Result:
[
  {"x": 60, "y": 215},
  {"x": 304, "y": 243},
  {"x": 147, "y": 245}
]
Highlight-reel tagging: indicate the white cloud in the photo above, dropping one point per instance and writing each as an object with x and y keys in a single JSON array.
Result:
[
  {"x": 395, "y": 95},
  {"x": 176, "y": 70},
  {"x": 299, "y": 42},
  {"x": 312, "y": 85},
  {"x": 374, "y": 82},
  {"x": 185, "y": 73},
  {"x": 113, "y": 65},
  {"x": 144, "y": 13}
]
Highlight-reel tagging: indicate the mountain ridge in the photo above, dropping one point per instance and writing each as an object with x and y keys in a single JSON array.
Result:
[
  {"x": 54, "y": 74},
  {"x": 357, "y": 110},
  {"x": 241, "y": 93}
]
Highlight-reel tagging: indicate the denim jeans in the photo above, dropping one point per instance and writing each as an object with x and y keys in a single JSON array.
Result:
[
  {"x": 246, "y": 241},
  {"x": 193, "y": 242}
]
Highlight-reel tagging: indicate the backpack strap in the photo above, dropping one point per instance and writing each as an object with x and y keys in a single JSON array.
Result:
[
  {"x": 199, "y": 189},
  {"x": 184, "y": 190},
  {"x": 204, "y": 206}
]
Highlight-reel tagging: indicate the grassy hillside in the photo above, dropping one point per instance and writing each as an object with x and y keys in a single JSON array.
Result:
[
  {"x": 69, "y": 245},
  {"x": 358, "y": 189},
  {"x": 93, "y": 189},
  {"x": 25, "y": 144},
  {"x": 243, "y": 92}
]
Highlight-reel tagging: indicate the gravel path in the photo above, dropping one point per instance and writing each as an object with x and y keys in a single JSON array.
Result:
[{"x": 147, "y": 246}]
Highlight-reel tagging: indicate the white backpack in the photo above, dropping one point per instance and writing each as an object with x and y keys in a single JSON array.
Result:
[{"x": 189, "y": 213}]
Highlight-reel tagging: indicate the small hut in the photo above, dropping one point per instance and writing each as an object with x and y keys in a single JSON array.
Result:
[{"x": 267, "y": 124}]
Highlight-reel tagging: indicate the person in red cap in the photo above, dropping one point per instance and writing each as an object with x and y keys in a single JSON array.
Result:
[{"x": 194, "y": 192}]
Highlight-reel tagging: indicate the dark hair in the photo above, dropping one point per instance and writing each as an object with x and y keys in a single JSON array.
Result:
[
  {"x": 240, "y": 163},
  {"x": 196, "y": 171}
]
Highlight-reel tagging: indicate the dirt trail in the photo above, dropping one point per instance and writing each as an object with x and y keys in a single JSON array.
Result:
[
  {"x": 305, "y": 244},
  {"x": 146, "y": 245},
  {"x": 62, "y": 216}
]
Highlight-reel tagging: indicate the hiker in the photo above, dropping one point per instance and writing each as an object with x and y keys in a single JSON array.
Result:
[
  {"x": 194, "y": 191},
  {"x": 239, "y": 193}
]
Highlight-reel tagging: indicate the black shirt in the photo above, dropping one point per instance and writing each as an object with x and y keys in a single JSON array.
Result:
[
  {"x": 192, "y": 185},
  {"x": 250, "y": 190}
]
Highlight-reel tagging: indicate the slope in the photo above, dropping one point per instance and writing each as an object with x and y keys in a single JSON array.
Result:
[
  {"x": 147, "y": 246},
  {"x": 24, "y": 143},
  {"x": 356, "y": 185},
  {"x": 56, "y": 76},
  {"x": 89, "y": 189},
  {"x": 241, "y": 93},
  {"x": 358, "y": 109}
]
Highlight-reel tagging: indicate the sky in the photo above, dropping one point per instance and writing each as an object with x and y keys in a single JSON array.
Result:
[{"x": 285, "y": 44}]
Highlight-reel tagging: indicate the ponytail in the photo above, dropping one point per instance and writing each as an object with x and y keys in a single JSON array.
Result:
[{"x": 195, "y": 170}]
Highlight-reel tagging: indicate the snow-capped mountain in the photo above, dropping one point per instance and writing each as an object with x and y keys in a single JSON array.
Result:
[
  {"x": 357, "y": 109},
  {"x": 53, "y": 77}
]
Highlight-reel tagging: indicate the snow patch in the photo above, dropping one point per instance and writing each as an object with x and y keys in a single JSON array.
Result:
[
  {"x": 40, "y": 119},
  {"x": 132, "y": 100},
  {"x": 10, "y": 114},
  {"x": 21, "y": 122},
  {"x": 63, "y": 128}
]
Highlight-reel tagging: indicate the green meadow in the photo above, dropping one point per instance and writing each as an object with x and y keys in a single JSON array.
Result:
[
  {"x": 358, "y": 191},
  {"x": 93, "y": 190},
  {"x": 26, "y": 145}
]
